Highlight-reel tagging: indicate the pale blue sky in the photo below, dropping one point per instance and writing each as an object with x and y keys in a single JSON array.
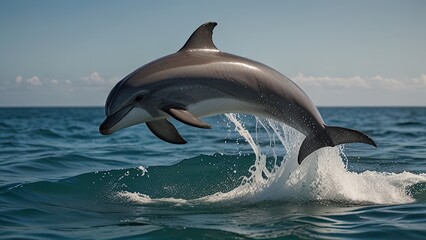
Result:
[{"x": 70, "y": 53}]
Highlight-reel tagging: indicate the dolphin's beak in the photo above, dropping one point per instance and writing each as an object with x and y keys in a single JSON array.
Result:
[{"x": 107, "y": 127}]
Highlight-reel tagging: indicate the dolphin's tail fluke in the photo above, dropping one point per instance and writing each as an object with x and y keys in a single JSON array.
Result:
[{"x": 332, "y": 136}]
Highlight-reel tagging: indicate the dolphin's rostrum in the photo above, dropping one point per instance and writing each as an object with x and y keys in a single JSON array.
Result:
[{"x": 199, "y": 80}]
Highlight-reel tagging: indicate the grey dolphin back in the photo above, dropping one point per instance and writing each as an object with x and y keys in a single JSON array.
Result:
[{"x": 332, "y": 136}]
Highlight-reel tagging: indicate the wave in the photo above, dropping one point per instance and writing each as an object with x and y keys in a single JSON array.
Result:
[
  {"x": 322, "y": 177},
  {"x": 270, "y": 173}
]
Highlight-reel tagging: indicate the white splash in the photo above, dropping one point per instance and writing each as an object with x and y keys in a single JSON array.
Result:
[
  {"x": 323, "y": 176},
  {"x": 143, "y": 170},
  {"x": 140, "y": 198}
]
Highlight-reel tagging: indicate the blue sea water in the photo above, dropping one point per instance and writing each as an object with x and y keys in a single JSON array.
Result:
[{"x": 61, "y": 179}]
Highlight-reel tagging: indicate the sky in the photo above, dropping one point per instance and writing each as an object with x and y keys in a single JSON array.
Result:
[{"x": 341, "y": 53}]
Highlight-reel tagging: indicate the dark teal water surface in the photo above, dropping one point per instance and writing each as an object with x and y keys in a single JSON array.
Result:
[{"x": 61, "y": 179}]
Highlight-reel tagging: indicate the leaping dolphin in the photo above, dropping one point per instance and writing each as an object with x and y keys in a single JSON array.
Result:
[{"x": 200, "y": 80}]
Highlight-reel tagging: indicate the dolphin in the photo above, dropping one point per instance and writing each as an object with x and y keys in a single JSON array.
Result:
[{"x": 199, "y": 80}]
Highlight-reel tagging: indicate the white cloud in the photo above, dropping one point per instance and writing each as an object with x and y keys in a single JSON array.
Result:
[
  {"x": 37, "y": 81},
  {"x": 93, "y": 80},
  {"x": 19, "y": 79},
  {"x": 349, "y": 82},
  {"x": 94, "y": 77},
  {"x": 377, "y": 82},
  {"x": 392, "y": 83},
  {"x": 33, "y": 81}
]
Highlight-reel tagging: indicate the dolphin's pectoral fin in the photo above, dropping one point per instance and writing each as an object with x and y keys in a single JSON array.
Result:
[
  {"x": 165, "y": 130},
  {"x": 332, "y": 136},
  {"x": 186, "y": 117}
]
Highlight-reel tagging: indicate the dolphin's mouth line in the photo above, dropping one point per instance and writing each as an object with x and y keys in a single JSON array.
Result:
[{"x": 113, "y": 119}]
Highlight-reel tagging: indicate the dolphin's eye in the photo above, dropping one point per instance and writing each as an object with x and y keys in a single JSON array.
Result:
[{"x": 139, "y": 98}]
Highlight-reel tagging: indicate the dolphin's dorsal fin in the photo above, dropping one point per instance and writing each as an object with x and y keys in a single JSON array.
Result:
[{"x": 201, "y": 39}]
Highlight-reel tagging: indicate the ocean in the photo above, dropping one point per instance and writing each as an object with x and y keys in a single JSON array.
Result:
[{"x": 61, "y": 179}]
